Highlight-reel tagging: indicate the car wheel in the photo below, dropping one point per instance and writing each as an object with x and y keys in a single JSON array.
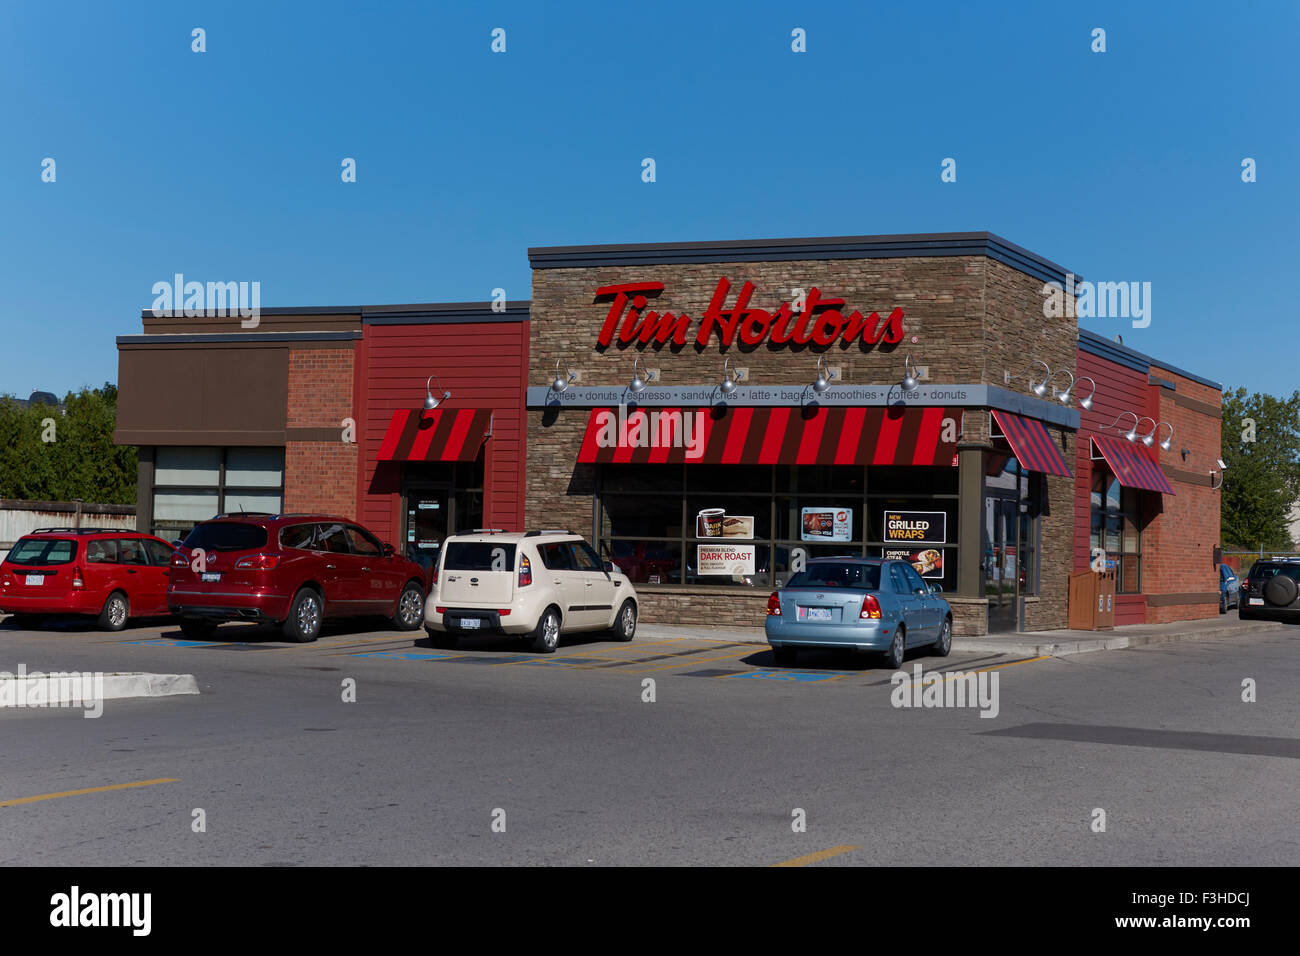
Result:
[
  {"x": 410, "y": 608},
  {"x": 546, "y": 638},
  {"x": 115, "y": 613},
  {"x": 443, "y": 640},
  {"x": 197, "y": 628},
  {"x": 897, "y": 648},
  {"x": 944, "y": 644},
  {"x": 785, "y": 656},
  {"x": 625, "y": 623},
  {"x": 305, "y": 614}
]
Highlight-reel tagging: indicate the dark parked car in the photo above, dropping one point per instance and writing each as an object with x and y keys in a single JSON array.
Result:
[
  {"x": 291, "y": 570},
  {"x": 1229, "y": 589},
  {"x": 113, "y": 575},
  {"x": 1272, "y": 588}
]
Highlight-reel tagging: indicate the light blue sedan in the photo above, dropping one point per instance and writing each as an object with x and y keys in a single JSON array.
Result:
[{"x": 866, "y": 604}]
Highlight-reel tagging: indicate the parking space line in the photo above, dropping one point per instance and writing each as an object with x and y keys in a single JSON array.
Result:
[
  {"x": 76, "y": 793},
  {"x": 749, "y": 649},
  {"x": 819, "y": 855}
]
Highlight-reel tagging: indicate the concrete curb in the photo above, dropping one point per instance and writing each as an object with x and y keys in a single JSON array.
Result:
[{"x": 60, "y": 687}]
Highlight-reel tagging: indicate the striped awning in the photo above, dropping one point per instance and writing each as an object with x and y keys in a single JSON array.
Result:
[
  {"x": 435, "y": 435},
  {"x": 1031, "y": 443},
  {"x": 773, "y": 436},
  {"x": 1130, "y": 464}
]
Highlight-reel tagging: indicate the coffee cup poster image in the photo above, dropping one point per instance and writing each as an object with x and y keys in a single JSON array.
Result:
[
  {"x": 826, "y": 524},
  {"x": 716, "y": 523},
  {"x": 916, "y": 527},
  {"x": 731, "y": 559}
]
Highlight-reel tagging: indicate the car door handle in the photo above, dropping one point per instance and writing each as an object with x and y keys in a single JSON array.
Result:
[
  {"x": 365, "y": 569},
  {"x": 329, "y": 567},
  {"x": 130, "y": 570}
]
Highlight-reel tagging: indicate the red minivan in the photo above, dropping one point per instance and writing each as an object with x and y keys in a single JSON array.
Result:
[
  {"x": 112, "y": 574},
  {"x": 293, "y": 571}
]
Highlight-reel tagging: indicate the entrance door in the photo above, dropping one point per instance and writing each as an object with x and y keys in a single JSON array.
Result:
[
  {"x": 1002, "y": 583},
  {"x": 427, "y": 524}
]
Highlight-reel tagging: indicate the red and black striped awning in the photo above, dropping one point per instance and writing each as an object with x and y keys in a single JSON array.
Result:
[
  {"x": 1032, "y": 444},
  {"x": 772, "y": 436},
  {"x": 1130, "y": 465},
  {"x": 435, "y": 435}
]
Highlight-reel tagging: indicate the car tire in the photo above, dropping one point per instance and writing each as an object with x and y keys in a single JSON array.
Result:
[
  {"x": 897, "y": 648},
  {"x": 785, "y": 656},
  {"x": 198, "y": 629},
  {"x": 943, "y": 644},
  {"x": 116, "y": 612},
  {"x": 306, "y": 613},
  {"x": 625, "y": 624},
  {"x": 443, "y": 640},
  {"x": 546, "y": 637},
  {"x": 410, "y": 608}
]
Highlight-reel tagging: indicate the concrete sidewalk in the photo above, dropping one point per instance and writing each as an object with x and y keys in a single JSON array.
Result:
[{"x": 1028, "y": 644}]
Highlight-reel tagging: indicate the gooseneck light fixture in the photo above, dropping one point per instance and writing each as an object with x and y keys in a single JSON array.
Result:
[
  {"x": 1131, "y": 434},
  {"x": 637, "y": 384},
  {"x": 430, "y": 402},
  {"x": 1223, "y": 466},
  {"x": 561, "y": 382},
  {"x": 1039, "y": 388},
  {"x": 729, "y": 379},
  {"x": 1062, "y": 397},
  {"x": 1084, "y": 403},
  {"x": 820, "y": 383},
  {"x": 1150, "y": 436},
  {"x": 911, "y": 378}
]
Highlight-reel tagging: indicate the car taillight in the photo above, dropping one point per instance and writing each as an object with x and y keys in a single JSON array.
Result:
[
  {"x": 525, "y": 572},
  {"x": 870, "y": 608},
  {"x": 258, "y": 562},
  {"x": 774, "y": 604},
  {"x": 440, "y": 610},
  {"x": 434, "y": 579},
  {"x": 76, "y": 577},
  {"x": 503, "y": 611}
]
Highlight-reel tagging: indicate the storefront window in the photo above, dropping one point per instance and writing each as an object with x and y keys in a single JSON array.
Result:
[
  {"x": 191, "y": 485},
  {"x": 1116, "y": 527}
]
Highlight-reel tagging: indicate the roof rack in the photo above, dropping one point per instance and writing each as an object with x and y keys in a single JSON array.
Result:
[
  {"x": 534, "y": 534},
  {"x": 244, "y": 514},
  {"x": 488, "y": 531},
  {"x": 83, "y": 531}
]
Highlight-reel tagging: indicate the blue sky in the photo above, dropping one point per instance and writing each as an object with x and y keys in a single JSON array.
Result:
[{"x": 225, "y": 165}]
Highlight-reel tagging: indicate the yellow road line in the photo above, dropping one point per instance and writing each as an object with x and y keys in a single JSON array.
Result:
[
  {"x": 819, "y": 855},
  {"x": 77, "y": 793}
]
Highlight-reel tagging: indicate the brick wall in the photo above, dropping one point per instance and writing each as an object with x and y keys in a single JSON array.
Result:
[{"x": 320, "y": 475}]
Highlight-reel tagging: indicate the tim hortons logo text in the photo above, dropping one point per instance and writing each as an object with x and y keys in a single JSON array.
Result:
[{"x": 819, "y": 321}]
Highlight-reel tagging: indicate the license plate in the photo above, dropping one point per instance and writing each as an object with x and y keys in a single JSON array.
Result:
[
  {"x": 470, "y": 623},
  {"x": 35, "y": 579},
  {"x": 1256, "y": 600},
  {"x": 817, "y": 613},
  {"x": 210, "y": 577}
]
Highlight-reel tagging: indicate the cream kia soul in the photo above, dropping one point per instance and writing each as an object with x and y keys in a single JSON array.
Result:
[{"x": 536, "y": 585}]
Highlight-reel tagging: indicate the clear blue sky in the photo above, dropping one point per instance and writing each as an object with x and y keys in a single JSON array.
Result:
[{"x": 225, "y": 165}]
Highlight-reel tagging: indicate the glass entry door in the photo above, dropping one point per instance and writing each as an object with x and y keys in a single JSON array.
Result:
[
  {"x": 1004, "y": 537},
  {"x": 427, "y": 522}
]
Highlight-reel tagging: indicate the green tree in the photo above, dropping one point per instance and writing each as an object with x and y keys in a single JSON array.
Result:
[
  {"x": 48, "y": 454},
  {"x": 1261, "y": 446}
]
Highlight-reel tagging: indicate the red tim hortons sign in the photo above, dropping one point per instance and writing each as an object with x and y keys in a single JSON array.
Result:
[{"x": 819, "y": 322}]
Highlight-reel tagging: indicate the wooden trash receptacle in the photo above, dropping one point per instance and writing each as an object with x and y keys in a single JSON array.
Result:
[{"x": 1092, "y": 601}]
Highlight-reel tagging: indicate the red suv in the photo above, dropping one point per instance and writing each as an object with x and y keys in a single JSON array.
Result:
[
  {"x": 290, "y": 570},
  {"x": 113, "y": 574}
]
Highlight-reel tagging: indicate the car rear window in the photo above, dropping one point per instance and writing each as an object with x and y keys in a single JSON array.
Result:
[
  {"x": 43, "y": 552},
  {"x": 1261, "y": 572},
  {"x": 859, "y": 577},
  {"x": 227, "y": 536},
  {"x": 479, "y": 556}
]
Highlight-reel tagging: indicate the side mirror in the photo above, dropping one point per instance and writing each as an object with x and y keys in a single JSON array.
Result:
[
  {"x": 609, "y": 566},
  {"x": 178, "y": 543},
  {"x": 936, "y": 588},
  {"x": 389, "y": 550}
]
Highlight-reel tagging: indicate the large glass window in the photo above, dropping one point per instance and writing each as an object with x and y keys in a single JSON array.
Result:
[
  {"x": 746, "y": 526},
  {"x": 191, "y": 485},
  {"x": 1116, "y": 527}
]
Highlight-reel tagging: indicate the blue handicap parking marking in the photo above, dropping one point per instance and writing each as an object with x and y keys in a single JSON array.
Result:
[
  {"x": 171, "y": 642},
  {"x": 785, "y": 676},
  {"x": 403, "y": 655}
]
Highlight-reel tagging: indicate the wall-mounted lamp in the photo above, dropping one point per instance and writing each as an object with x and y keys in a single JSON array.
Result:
[
  {"x": 1084, "y": 403},
  {"x": 561, "y": 382},
  {"x": 729, "y": 378},
  {"x": 1223, "y": 466},
  {"x": 1062, "y": 397},
  {"x": 821, "y": 382},
  {"x": 1185, "y": 453},
  {"x": 1131, "y": 434},
  {"x": 1149, "y": 436},
  {"x": 430, "y": 402},
  {"x": 911, "y": 377},
  {"x": 638, "y": 383},
  {"x": 1040, "y": 388},
  {"x": 1164, "y": 445}
]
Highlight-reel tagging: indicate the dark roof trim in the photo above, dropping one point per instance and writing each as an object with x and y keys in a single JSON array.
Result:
[
  {"x": 444, "y": 313},
  {"x": 302, "y": 310},
  {"x": 1099, "y": 345},
  {"x": 1155, "y": 380},
  {"x": 199, "y": 338},
  {"x": 777, "y": 250}
]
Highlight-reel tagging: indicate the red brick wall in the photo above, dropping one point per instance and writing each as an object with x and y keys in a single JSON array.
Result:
[{"x": 320, "y": 475}]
